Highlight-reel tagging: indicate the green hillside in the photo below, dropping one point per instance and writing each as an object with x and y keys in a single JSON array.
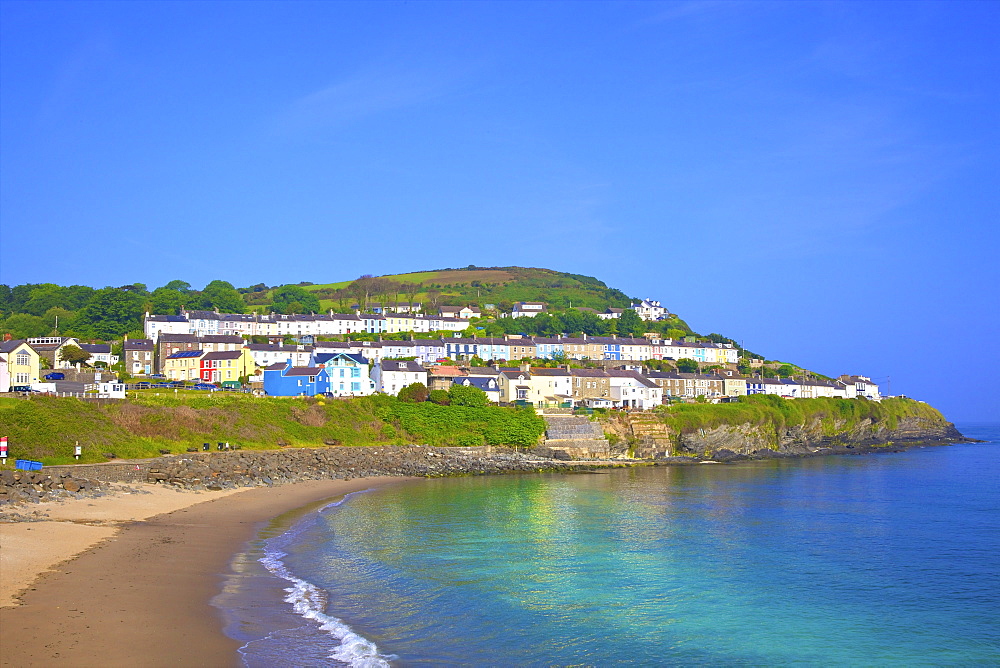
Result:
[{"x": 473, "y": 285}]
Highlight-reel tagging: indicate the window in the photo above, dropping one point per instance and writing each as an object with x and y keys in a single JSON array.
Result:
[
  {"x": 22, "y": 378},
  {"x": 355, "y": 387},
  {"x": 23, "y": 359}
]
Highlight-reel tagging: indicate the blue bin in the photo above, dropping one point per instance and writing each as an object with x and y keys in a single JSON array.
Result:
[{"x": 28, "y": 465}]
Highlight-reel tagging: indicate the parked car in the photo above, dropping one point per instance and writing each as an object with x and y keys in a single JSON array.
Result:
[
  {"x": 21, "y": 388},
  {"x": 204, "y": 386},
  {"x": 157, "y": 375},
  {"x": 55, "y": 375}
]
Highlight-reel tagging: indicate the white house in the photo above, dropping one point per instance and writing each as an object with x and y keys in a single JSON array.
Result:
[
  {"x": 629, "y": 389},
  {"x": 859, "y": 386},
  {"x": 391, "y": 376},
  {"x": 649, "y": 309},
  {"x": 527, "y": 309}
]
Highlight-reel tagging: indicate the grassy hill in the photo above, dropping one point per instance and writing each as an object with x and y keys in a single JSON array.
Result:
[{"x": 486, "y": 285}]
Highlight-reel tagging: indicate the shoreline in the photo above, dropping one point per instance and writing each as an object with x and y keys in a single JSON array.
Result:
[
  {"x": 133, "y": 571},
  {"x": 141, "y": 593}
]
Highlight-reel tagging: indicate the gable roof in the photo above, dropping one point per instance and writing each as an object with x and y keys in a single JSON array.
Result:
[
  {"x": 304, "y": 371},
  {"x": 484, "y": 383},
  {"x": 186, "y": 353},
  {"x": 221, "y": 338},
  {"x": 12, "y": 345},
  {"x": 446, "y": 371},
  {"x": 223, "y": 355},
  {"x": 177, "y": 338},
  {"x": 166, "y": 318},
  {"x": 401, "y": 365}
]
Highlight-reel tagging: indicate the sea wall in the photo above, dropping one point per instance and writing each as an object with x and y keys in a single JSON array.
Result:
[
  {"x": 32, "y": 486},
  {"x": 253, "y": 468}
]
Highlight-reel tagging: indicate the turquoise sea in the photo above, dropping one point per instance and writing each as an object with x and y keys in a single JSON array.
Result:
[{"x": 890, "y": 559}]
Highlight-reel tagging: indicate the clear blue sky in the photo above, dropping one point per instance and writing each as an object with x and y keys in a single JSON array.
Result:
[{"x": 818, "y": 179}]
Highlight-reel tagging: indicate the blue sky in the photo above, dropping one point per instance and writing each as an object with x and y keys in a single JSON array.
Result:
[{"x": 819, "y": 180}]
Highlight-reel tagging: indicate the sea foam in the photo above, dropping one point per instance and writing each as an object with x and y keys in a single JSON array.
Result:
[{"x": 309, "y": 601}]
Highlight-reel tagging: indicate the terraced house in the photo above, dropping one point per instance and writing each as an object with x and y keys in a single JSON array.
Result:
[
  {"x": 183, "y": 365},
  {"x": 227, "y": 366}
]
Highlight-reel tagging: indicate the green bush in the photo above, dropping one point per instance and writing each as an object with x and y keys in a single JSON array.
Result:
[
  {"x": 466, "y": 395},
  {"x": 440, "y": 397},
  {"x": 414, "y": 393}
]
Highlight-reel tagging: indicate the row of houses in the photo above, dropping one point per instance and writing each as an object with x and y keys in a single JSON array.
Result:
[
  {"x": 211, "y": 323},
  {"x": 144, "y": 356},
  {"x": 405, "y": 317},
  {"x": 596, "y": 388},
  {"x": 363, "y": 367}
]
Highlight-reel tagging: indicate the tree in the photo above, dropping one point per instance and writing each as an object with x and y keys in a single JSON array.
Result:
[
  {"x": 343, "y": 296},
  {"x": 363, "y": 288},
  {"x": 686, "y": 365},
  {"x": 167, "y": 301},
  {"x": 23, "y": 326},
  {"x": 295, "y": 299},
  {"x": 674, "y": 333},
  {"x": 786, "y": 370},
  {"x": 73, "y": 355},
  {"x": 415, "y": 393},
  {"x": 110, "y": 314},
  {"x": 58, "y": 318},
  {"x": 223, "y": 296},
  {"x": 179, "y": 286},
  {"x": 630, "y": 324},
  {"x": 44, "y": 297},
  {"x": 466, "y": 395},
  {"x": 411, "y": 290}
]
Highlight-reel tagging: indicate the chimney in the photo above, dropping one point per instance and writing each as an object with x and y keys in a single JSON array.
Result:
[{"x": 526, "y": 367}]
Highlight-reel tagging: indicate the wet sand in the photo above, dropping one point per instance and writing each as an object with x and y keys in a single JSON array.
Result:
[{"x": 137, "y": 592}]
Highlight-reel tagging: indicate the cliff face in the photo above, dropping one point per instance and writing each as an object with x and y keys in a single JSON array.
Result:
[
  {"x": 719, "y": 438},
  {"x": 746, "y": 439}
]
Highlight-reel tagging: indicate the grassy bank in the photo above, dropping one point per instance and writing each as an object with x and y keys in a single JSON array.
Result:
[
  {"x": 48, "y": 428},
  {"x": 834, "y": 416}
]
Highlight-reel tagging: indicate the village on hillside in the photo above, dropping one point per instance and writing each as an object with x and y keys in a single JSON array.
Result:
[{"x": 387, "y": 348}]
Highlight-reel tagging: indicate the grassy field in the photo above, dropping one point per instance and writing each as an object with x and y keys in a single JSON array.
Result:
[{"x": 449, "y": 277}]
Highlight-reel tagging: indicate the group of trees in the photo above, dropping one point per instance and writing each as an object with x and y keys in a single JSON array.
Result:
[{"x": 46, "y": 309}]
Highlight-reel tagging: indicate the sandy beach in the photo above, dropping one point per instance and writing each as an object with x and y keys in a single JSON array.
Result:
[{"x": 126, "y": 580}]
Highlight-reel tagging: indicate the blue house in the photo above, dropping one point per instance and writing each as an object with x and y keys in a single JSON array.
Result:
[
  {"x": 348, "y": 374},
  {"x": 284, "y": 380},
  {"x": 549, "y": 347},
  {"x": 461, "y": 349},
  {"x": 490, "y": 348}
]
